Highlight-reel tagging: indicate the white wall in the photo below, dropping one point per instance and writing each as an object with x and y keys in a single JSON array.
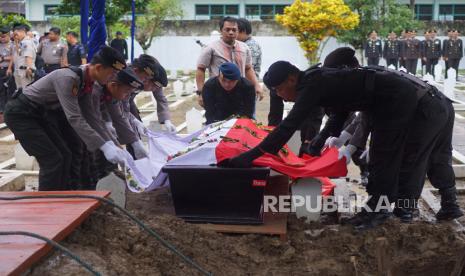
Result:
[
  {"x": 35, "y": 9},
  {"x": 181, "y": 52}
]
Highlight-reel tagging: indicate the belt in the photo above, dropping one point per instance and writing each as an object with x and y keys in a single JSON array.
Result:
[{"x": 54, "y": 64}]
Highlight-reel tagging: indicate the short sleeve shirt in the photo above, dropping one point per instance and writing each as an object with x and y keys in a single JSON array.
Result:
[
  {"x": 219, "y": 52},
  {"x": 5, "y": 51},
  {"x": 52, "y": 51},
  {"x": 25, "y": 48}
]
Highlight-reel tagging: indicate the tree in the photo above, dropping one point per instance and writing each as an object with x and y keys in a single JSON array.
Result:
[
  {"x": 67, "y": 24},
  {"x": 12, "y": 19},
  {"x": 149, "y": 24},
  {"x": 381, "y": 16},
  {"x": 313, "y": 22},
  {"x": 115, "y": 10}
]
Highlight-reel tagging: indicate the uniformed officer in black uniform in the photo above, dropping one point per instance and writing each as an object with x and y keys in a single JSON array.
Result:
[
  {"x": 412, "y": 123},
  {"x": 391, "y": 50},
  {"x": 402, "y": 39},
  {"x": 77, "y": 54},
  {"x": 373, "y": 49},
  {"x": 453, "y": 51},
  {"x": 411, "y": 52},
  {"x": 432, "y": 51}
]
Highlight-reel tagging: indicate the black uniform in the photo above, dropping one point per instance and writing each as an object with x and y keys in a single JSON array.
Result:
[
  {"x": 76, "y": 53},
  {"x": 432, "y": 53},
  {"x": 121, "y": 46},
  {"x": 373, "y": 51},
  {"x": 401, "y": 52},
  {"x": 453, "y": 52},
  {"x": 411, "y": 53},
  {"x": 220, "y": 104},
  {"x": 391, "y": 52},
  {"x": 395, "y": 104}
]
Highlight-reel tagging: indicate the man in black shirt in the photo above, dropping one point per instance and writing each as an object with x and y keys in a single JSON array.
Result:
[
  {"x": 411, "y": 121},
  {"x": 228, "y": 94},
  {"x": 76, "y": 51},
  {"x": 119, "y": 43}
]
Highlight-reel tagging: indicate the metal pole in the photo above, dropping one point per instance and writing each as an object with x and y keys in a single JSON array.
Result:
[
  {"x": 84, "y": 21},
  {"x": 133, "y": 27}
]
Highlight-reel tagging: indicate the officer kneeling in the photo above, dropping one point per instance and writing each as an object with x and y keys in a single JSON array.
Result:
[{"x": 411, "y": 122}]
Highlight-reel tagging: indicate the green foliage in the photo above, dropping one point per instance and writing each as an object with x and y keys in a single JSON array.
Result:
[
  {"x": 12, "y": 19},
  {"x": 67, "y": 24},
  {"x": 379, "y": 15},
  {"x": 149, "y": 24}
]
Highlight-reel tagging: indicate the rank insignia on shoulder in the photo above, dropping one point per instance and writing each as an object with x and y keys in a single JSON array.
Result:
[{"x": 75, "y": 89}]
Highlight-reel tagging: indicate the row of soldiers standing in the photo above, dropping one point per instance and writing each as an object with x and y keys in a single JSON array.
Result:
[{"x": 406, "y": 50}]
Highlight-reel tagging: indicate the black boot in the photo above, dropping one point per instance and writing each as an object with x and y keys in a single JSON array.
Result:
[
  {"x": 406, "y": 209},
  {"x": 449, "y": 207},
  {"x": 374, "y": 219}
]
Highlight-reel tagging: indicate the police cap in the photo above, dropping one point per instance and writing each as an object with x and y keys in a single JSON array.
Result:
[
  {"x": 278, "y": 73},
  {"x": 110, "y": 57},
  {"x": 19, "y": 26},
  {"x": 343, "y": 56},
  {"x": 152, "y": 68},
  {"x": 4, "y": 30},
  {"x": 230, "y": 71},
  {"x": 128, "y": 77}
]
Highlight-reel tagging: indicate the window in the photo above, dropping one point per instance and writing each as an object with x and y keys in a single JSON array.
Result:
[
  {"x": 451, "y": 12},
  {"x": 424, "y": 12},
  {"x": 263, "y": 11},
  {"x": 50, "y": 9},
  {"x": 215, "y": 11}
]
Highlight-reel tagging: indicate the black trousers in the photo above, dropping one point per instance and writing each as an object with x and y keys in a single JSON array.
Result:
[
  {"x": 411, "y": 65},
  {"x": 402, "y": 63},
  {"x": 40, "y": 135},
  {"x": 400, "y": 158},
  {"x": 373, "y": 61},
  {"x": 3, "y": 88},
  {"x": 453, "y": 63},
  {"x": 51, "y": 67},
  {"x": 430, "y": 63},
  {"x": 392, "y": 61}
]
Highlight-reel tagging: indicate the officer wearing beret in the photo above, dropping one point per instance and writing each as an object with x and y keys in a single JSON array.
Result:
[
  {"x": 24, "y": 57},
  {"x": 34, "y": 118},
  {"x": 228, "y": 94},
  {"x": 452, "y": 50},
  {"x": 410, "y": 119},
  {"x": 411, "y": 52},
  {"x": 432, "y": 51},
  {"x": 391, "y": 50}
]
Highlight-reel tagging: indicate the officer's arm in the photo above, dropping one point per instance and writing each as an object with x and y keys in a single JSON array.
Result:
[
  {"x": 163, "y": 110},
  {"x": 124, "y": 130},
  {"x": 308, "y": 98},
  {"x": 275, "y": 116},
  {"x": 64, "y": 57},
  {"x": 360, "y": 135},
  {"x": 209, "y": 103},
  {"x": 249, "y": 102},
  {"x": 83, "y": 55},
  {"x": 39, "y": 48},
  {"x": 69, "y": 102},
  {"x": 332, "y": 127},
  {"x": 202, "y": 63}
]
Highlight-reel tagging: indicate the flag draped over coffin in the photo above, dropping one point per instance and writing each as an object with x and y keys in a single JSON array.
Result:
[{"x": 220, "y": 141}]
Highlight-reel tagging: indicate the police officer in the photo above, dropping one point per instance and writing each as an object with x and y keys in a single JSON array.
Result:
[
  {"x": 373, "y": 49},
  {"x": 402, "y": 39},
  {"x": 410, "y": 120},
  {"x": 411, "y": 52},
  {"x": 41, "y": 135},
  {"x": 53, "y": 51},
  {"x": 24, "y": 57},
  {"x": 391, "y": 50},
  {"x": 5, "y": 58},
  {"x": 452, "y": 51},
  {"x": 432, "y": 52},
  {"x": 76, "y": 51}
]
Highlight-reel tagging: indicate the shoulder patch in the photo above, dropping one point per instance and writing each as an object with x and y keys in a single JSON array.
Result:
[{"x": 75, "y": 89}]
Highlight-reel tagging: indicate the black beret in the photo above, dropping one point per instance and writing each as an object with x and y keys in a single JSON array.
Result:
[
  {"x": 278, "y": 73},
  {"x": 111, "y": 57},
  {"x": 4, "y": 30},
  {"x": 340, "y": 57},
  {"x": 128, "y": 77},
  {"x": 153, "y": 68}
]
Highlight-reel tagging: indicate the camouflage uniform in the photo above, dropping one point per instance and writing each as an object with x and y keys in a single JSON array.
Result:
[{"x": 256, "y": 55}]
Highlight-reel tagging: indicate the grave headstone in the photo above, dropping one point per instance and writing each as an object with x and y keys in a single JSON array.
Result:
[
  {"x": 116, "y": 186},
  {"x": 193, "y": 120},
  {"x": 438, "y": 76},
  {"x": 178, "y": 88}
]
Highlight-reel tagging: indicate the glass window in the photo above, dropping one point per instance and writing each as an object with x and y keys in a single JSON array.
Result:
[
  {"x": 445, "y": 9},
  {"x": 202, "y": 10},
  {"x": 217, "y": 9},
  {"x": 424, "y": 12},
  {"x": 232, "y": 9},
  {"x": 459, "y": 9},
  {"x": 50, "y": 9},
  {"x": 252, "y": 10},
  {"x": 267, "y": 11},
  {"x": 279, "y": 9}
]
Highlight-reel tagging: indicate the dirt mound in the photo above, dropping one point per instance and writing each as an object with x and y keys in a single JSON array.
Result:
[{"x": 115, "y": 246}]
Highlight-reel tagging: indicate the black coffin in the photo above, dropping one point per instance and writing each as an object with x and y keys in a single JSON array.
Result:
[{"x": 218, "y": 195}]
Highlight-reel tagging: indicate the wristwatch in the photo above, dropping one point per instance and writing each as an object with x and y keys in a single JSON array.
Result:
[{"x": 198, "y": 92}]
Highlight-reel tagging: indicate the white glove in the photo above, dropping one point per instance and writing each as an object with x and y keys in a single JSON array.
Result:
[
  {"x": 338, "y": 142},
  {"x": 366, "y": 154},
  {"x": 111, "y": 129},
  {"x": 347, "y": 152},
  {"x": 114, "y": 154},
  {"x": 170, "y": 126},
  {"x": 140, "y": 127},
  {"x": 139, "y": 150}
]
